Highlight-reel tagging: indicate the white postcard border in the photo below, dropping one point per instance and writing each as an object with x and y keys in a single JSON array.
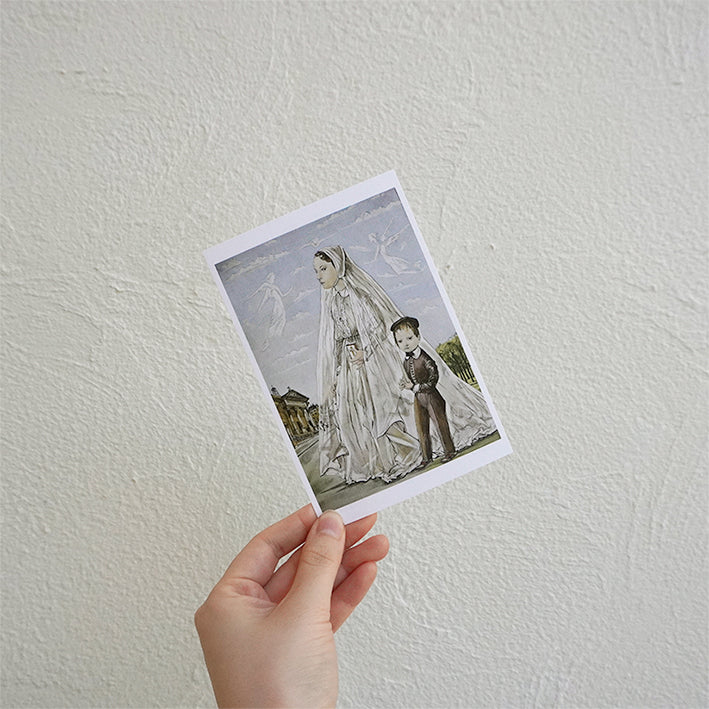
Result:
[{"x": 404, "y": 489}]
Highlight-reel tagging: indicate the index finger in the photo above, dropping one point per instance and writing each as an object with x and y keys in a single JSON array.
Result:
[{"x": 258, "y": 559}]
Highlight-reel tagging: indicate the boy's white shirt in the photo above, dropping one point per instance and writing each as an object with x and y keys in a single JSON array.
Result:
[{"x": 416, "y": 354}]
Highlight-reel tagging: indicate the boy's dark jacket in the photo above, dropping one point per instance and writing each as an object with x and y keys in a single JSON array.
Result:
[{"x": 422, "y": 371}]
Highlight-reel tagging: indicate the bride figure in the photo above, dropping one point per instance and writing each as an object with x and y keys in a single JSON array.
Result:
[
  {"x": 362, "y": 429},
  {"x": 364, "y": 418}
]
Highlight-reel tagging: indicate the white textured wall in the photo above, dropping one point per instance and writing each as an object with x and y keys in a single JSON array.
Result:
[{"x": 555, "y": 157}]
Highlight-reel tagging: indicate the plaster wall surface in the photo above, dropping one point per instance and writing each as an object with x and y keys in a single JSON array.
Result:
[{"x": 555, "y": 157}]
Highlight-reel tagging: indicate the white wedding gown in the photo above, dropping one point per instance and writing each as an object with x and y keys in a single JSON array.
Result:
[{"x": 367, "y": 427}]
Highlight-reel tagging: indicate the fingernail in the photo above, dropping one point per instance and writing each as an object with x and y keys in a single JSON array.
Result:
[{"x": 330, "y": 523}]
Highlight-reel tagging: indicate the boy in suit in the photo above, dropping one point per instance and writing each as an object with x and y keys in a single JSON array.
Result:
[{"x": 422, "y": 373}]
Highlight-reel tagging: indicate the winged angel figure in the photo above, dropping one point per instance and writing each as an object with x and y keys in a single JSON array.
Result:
[
  {"x": 270, "y": 309},
  {"x": 382, "y": 242}
]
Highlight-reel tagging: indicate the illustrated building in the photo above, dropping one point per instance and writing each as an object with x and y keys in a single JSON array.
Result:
[{"x": 299, "y": 417}]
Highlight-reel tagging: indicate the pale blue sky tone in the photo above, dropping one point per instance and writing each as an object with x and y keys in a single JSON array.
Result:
[{"x": 276, "y": 296}]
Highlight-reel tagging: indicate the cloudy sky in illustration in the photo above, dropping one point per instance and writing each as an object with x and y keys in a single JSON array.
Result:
[{"x": 276, "y": 296}]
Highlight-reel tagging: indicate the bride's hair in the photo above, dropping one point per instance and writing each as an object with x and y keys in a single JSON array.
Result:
[{"x": 322, "y": 255}]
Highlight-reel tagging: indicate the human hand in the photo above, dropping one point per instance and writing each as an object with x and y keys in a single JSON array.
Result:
[
  {"x": 357, "y": 357},
  {"x": 406, "y": 384},
  {"x": 267, "y": 634}
]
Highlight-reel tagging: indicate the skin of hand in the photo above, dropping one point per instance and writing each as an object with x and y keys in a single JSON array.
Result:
[
  {"x": 267, "y": 633},
  {"x": 358, "y": 358},
  {"x": 406, "y": 384}
]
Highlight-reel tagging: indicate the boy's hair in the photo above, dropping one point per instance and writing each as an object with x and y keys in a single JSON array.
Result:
[{"x": 408, "y": 323}]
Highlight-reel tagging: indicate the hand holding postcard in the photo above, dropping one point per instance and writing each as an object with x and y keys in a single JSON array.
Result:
[{"x": 358, "y": 350}]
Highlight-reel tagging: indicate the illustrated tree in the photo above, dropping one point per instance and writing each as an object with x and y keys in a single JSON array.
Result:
[{"x": 453, "y": 354}]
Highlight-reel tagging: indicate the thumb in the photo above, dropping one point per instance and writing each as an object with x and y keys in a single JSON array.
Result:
[{"x": 318, "y": 565}]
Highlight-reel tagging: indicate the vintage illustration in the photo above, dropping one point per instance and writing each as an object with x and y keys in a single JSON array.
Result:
[{"x": 357, "y": 347}]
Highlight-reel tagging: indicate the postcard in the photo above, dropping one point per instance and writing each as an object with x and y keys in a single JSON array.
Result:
[{"x": 360, "y": 355}]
